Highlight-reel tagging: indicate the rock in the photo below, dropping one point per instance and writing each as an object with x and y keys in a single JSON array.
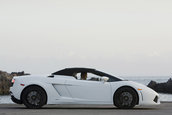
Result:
[
  {"x": 152, "y": 84},
  {"x": 161, "y": 87},
  {"x": 5, "y": 81},
  {"x": 169, "y": 81},
  {"x": 19, "y": 73}
]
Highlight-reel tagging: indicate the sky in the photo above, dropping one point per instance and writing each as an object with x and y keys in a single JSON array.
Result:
[{"x": 120, "y": 37}]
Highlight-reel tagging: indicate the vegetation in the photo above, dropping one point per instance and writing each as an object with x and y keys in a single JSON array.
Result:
[{"x": 5, "y": 81}]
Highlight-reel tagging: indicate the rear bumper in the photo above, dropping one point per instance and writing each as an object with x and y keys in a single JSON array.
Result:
[{"x": 15, "y": 100}]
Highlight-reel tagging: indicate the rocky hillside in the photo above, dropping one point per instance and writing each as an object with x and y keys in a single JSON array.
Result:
[
  {"x": 5, "y": 80},
  {"x": 161, "y": 87}
]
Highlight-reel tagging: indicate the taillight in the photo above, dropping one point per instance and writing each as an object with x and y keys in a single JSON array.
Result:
[{"x": 12, "y": 82}]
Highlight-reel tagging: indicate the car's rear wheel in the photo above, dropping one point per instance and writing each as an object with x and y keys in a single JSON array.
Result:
[
  {"x": 34, "y": 97},
  {"x": 125, "y": 98}
]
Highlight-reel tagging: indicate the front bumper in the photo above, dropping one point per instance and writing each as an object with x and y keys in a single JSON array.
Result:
[
  {"x": 156, "y": 99},
  {"x": 149, "y": 97}
]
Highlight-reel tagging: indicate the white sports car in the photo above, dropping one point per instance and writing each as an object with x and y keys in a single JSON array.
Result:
[{"x": 80, "y": 86}]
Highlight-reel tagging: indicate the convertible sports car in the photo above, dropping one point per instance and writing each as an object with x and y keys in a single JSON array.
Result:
[{"x": 80, "y": 86}]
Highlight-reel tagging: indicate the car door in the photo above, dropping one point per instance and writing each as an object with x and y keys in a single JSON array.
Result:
[{"x": 86, "y": 91}]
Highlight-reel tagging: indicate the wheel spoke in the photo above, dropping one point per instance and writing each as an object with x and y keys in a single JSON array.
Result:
[
  {"x": 126, "y": 99},
  {"x": 34, "y": 98}
]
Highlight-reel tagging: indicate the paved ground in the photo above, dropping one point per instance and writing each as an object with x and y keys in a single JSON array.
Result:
[{"x": 13, "y": 109}]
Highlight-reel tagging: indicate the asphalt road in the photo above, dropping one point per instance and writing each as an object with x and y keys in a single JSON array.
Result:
[{"x": 13, "y": 109}]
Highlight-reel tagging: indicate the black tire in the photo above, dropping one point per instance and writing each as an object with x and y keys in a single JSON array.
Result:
[
  {"x": 34, "y": 97},
  {"x": 125, "y": 98}
]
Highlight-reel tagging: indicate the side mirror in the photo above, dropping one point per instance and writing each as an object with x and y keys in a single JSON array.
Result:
[{"x": 104, "y": 79}]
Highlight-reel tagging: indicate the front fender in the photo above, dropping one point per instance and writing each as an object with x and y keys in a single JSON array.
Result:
[{"x": 133, "y": 85}]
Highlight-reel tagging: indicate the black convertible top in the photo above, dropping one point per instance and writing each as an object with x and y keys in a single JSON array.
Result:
[{"x": 73, "y": 71}]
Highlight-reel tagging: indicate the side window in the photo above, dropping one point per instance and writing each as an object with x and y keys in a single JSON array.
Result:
[
  {"x": 93, "y": 77},
  {"x": 78, "y": 76},
  {"x": 90, "y": 77}
]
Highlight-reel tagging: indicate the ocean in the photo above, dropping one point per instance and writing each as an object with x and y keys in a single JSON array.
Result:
[
  {"x": 146, "y": 79},
  {"x": 140, "y": 79}
]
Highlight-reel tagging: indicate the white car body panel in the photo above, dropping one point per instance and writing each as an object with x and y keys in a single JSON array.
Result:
[
  {"x": 68, "y": 90},
  {"x": 89, "y": 91}
]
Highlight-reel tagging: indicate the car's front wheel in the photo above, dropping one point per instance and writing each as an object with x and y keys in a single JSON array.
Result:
[
  {"x": 34, "y": 97},
  {"x": 125, "y": 98}
]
